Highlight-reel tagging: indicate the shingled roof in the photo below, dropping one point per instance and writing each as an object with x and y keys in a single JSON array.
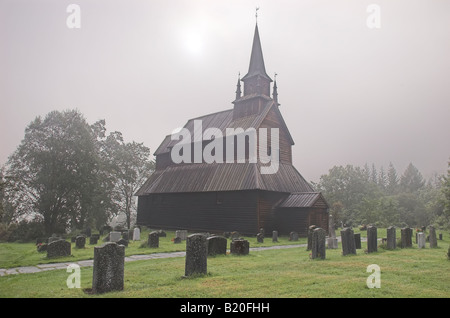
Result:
[{"x": 224, "y": 177}]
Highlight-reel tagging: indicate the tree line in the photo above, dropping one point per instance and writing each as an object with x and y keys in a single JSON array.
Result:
[
  {"x": 67, "y": 174},
  {"x": 367, "y": 195}
]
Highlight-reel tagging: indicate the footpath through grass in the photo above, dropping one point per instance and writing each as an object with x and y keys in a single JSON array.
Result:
[
  {"x": 25, "y": 254},
  {"x": 283, "y": 273}
]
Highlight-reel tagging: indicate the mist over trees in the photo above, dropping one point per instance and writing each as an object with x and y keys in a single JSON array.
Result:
[
  {"x": 67, "y": 175},
  {"x": 367, "y": 195}
]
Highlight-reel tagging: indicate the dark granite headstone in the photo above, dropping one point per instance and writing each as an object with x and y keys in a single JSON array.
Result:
[
  {"x": 391, "y": 238},
  {"x": 177, "y": 240},
  {"x": 348, "y": 241},
  {"x": 433, "y": 238},
  {"x": 196, "y": 254},
  {"x": 318, "y": 243},
  {"x": 153, "y": 239},
  {"x": 357, "y": 237},
  {"x": 239, "y": 247},
  {"x": 372, "y": 239},
  {"x": 260, "y": 238},
  {"x": 310, "y": 233},
  {"x": 53, "y": 238},
  {"x": 109, "y": 262},
  {"x": 125, "y": 235},
  {"x": 293, "y": 236},
  {"x": 80, "y": 241},
  {"x": 406, "y": 237},
  {"x": 93, "y": 239},
  {"x": 275, "y": 236},
  {"x": 161, "y": 233},
  {"x": 59, "y": 248},
  {"x": 217, "y": 245},
  {"x": 123, "y": 242}
]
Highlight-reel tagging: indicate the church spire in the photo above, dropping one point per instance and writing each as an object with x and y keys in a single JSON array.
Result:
[{"x": 256, "y": 66}]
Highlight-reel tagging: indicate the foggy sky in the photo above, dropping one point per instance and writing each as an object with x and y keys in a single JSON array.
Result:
[{"x": 349, "y": 94}]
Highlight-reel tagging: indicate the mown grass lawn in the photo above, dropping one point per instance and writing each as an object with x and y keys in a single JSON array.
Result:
[
  {"x": 25, "y": 254},
  {"x": 282, "y": 273}
]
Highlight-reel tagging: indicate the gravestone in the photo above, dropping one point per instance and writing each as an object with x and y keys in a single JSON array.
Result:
[
  {"x": 260, "y": 238},
  {"x": 94, "y": 239},
  {"x": 318, "y": 243},
  {"x": 391, "y": 238},
  {"x": 53, "y": 238},
  {"x": 293, "y": 236},
  {"x": 109, "y": 262},
  {"x": 182, "y": 234},
  {"x": 310, "y": 233},
  {"x": 80, "y": 241},
  {"x": 357, "y": 237},
  {"x": 196, "y": 255},
  {"x": 372, "y": 239},
  {"x": 433, "y": 238},
  {"x": 262, "y": 231},
  {"x": 130, "y": 234},
  {"x": 161, "y": 233},
  {"x": 125, "y": 235},
  {"x": 348, "y": 241},
  {"x": 153, "y": 240},
  {"x": 406, "y": 237},
  {"x": 59, "y": 248},
  {"x": 440, "y": 236},
  {"x": 239, "y": 247},
  {"x": 217, "y": 245},
  {"x": 275, "y": 236},
  {"x": 136, "y": 234},
  {"x": 123, "y": 242},
  {"x": 421, "y": 240},
  {"x": 332, "y": 241},
  {"x": 177, "y": 240},
  {"x": 114, "y": 236}
]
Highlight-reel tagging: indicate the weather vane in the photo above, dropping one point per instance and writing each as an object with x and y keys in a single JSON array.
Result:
[
  {"x": 275, "y": 76},
  {"x": 256, "y": 14}
]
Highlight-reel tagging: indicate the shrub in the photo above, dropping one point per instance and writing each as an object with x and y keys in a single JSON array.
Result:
[{"x": 26, "y": 231}]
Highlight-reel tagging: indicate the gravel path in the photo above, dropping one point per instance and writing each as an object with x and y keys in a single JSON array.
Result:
[{"x": 87, "y": 263}]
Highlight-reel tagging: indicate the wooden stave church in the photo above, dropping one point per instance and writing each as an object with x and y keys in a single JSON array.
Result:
[{"x": 219, "y": 197}]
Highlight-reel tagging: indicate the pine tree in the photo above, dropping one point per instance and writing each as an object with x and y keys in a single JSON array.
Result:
[
  {"x": 392, "y": 179},
  {"x": 412, "y": 179}
]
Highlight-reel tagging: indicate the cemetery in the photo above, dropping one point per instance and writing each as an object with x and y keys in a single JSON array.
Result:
[{"x": 232, "y": 265}]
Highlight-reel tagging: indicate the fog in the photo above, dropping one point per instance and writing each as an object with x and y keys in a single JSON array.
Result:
[{"x": 349, "y": 93}]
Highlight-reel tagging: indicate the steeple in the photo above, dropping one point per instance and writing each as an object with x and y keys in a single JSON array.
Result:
[
  {"x": 257, "y": 84},
  {"x": 256, "y": 67}
]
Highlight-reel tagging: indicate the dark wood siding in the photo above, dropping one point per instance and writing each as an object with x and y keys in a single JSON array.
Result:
[
  {"x": 267, "y": 202},
  {"x": 272, "y": 120},
  {"x": 299, "y": 219},
  {"x": 201, "y": 211}
]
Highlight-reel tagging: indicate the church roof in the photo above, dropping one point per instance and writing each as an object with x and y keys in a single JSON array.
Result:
[
  {"x": 303, "y": 200},
  {"x": 224, "y": 177}
]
